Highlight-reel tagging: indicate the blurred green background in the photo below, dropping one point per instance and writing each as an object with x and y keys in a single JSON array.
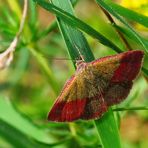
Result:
[{"x": 35, "y": 77}]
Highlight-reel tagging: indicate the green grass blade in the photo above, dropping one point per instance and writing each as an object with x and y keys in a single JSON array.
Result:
[
  {"x": 19, "y": 130},
  {"x": 44, "y": 32},
  {"x": 129, "y": 14},
  {"x": 20, "y": 67},
  {"x": 108, "y": 121},
  {"x": 108, "y": 8},
  {"x": 75, "y": 22},
  {"x": 32, "y": 14},
  {"x": 131, "y": 108},
  {"x": 145, "y": 71},
  {"x": 17, "y": 138},
  {"x": 73, "y": 39},
  {"x": 131, "y": 36},
  {"x": 20, "y": 122}
]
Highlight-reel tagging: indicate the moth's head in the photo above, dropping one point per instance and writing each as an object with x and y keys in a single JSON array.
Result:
[{"x": 80, "y": 64}]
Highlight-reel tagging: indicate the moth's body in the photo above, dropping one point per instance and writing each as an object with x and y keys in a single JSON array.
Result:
[
  {"x": 91, "y": 76},
  {"x": 96, "y": 86}
]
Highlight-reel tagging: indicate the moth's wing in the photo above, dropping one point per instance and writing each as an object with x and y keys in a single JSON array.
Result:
[
  {"x": 119, "y": 70},
  {"x": 117, "y": 92},
  {"x": 75, "y": 103},
  {"x": 112, "y": 76},
  {"x": 69, "y": 106},
  {"x": 95, "y": 107}
]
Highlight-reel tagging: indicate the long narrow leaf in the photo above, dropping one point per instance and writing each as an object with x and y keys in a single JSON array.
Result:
[
  {"x": 108, "y": 8},
  {"x": 131, "y": 36},
  {"x": 73, "y": 38},
  {"x": 75, "y": 22},
  {"x": 21, "y": 123},
  {"x": 132, "y": 15},
  {"x": 17, "y": 138},
  {"x": 112, "y": 130}
]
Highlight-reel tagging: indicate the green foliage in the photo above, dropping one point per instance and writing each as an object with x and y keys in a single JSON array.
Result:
[
  {"x": 131, "y": 15},
  {"x": 34, "y": 79},
  {"x": 115, "y": 14}
]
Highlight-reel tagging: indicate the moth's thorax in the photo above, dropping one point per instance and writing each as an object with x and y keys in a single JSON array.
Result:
[{"x": 81, "y": 65}]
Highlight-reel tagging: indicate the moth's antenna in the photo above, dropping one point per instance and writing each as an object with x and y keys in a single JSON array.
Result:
[
  {"x": 81, "y": 56},
  {"x": 80, "y": 61},
  {"x": 57, "y": 58}
]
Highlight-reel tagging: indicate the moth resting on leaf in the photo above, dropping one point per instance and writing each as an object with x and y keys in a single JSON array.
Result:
[{"x": 96, "y": 86}]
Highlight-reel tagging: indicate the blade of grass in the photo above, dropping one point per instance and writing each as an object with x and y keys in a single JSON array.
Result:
[
  {"x": 132, "y": 15},
  {"x": 122, "y": 38},
  {"x": 45, "y": 32},
  {"x": 75, "y": 22},
  {"x": 15, "y": 7},
  {"x": 9, "y": 16},
  {"x": 131, "y": 108},
  {"x": 107, "y": 128},
  {"x": 20, "y": 67},
  {"x": 131, "y": 36},
  {"x": 50, "y": 28},
  {"x": 13, "y": 136},
  {"x": 73, "y": 37},
  {"x": 33, "y": 14},
  {"x": 11, "y": 116},
  {"x": 20, "y": 140},
  {"x": 21, "y": 132},
  {"x": 145, "y": 71},
  {"x": 108, "y": 8}
]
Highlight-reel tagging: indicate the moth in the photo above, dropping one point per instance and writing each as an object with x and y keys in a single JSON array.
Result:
[{"x": 96, "y": 86}]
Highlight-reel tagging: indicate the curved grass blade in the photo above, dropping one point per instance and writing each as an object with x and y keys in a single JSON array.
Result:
[
  {"x": 108, "y": 8},
  {"x": 145, "y": 71},
  {"x": 18, "y": 129},
  {"x": 75, "y": 22},
  {"x": 9, "y": 115},
  {"x": 112, "y": 130},
  {"x": 131, "y": 36},
  {"x": 131, "y": 108},
  {"x": 129, "y": 14},
  {"x": 72, "y": 37},
  {"x": 17, "y": 138}
]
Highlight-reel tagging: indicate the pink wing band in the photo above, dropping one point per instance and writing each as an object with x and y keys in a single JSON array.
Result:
[
  {"x": 129, "y": 66},
  {"x": 67, "y": 111},
  {"x": 86, "y": 108}
]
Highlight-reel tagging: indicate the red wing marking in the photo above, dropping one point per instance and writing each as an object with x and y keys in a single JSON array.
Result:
[
  {"x": 129, "y": 67},
  {"x": 87, "y": 109},
  {"x": 67, "y": 111}
]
